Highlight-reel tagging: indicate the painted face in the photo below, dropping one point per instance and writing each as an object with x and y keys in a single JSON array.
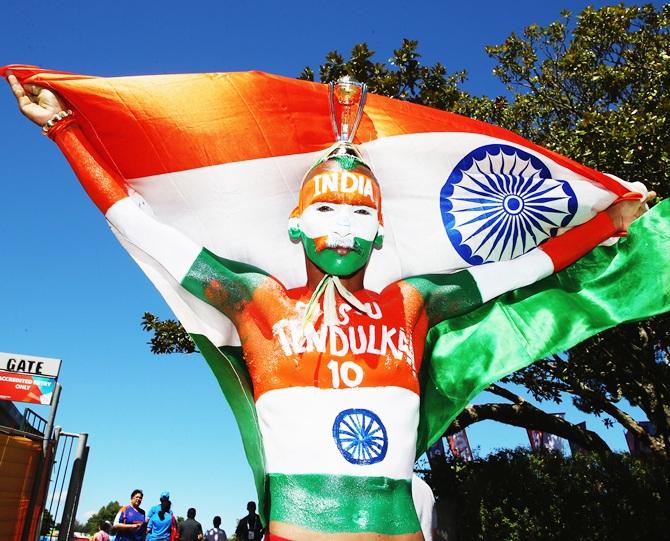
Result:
[
  {"x": 338, "y": 219},
  {"x": 338, "y": 238}
]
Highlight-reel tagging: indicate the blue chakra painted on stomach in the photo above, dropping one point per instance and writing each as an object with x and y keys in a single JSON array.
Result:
[
  {"x": 500, "y": 201},
  {"x": 360, "y": 436}
]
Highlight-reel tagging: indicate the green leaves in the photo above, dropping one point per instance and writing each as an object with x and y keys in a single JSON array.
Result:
[
  {"x": 595, "y": 89},
  {"x": 403, "y": 76},
  {"x": 520, "y": 495},
  {"x": 106, "y": 512},
  {"x": 168, "y": 336}
]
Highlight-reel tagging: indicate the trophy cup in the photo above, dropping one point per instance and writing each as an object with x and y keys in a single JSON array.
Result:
[{"x": 347, "y": 100}]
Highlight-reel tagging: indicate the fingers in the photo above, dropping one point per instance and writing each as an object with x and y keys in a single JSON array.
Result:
[
  {"x": 19, "y": 91},
  {"x": 16, "y": 87},
  {"x": 643, "y": 205}
]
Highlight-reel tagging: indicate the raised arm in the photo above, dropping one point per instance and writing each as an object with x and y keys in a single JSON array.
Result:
[
  {"x": 449, "y": 295},
  {"x": 223, "y": 283}
]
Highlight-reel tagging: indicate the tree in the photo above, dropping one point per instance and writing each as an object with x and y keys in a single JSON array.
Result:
[
  {"x": 628, "y": 362},
  {"x": 168, "y": 335},
  {"x": 598, "y": 93},
  {"x": 106, "y": 512},
  {"x": 48, "y": 523},
  {"x": 597, "y": 89},
  {"x": 403, "y": 78},
  {"x": 516, "y": 494}
]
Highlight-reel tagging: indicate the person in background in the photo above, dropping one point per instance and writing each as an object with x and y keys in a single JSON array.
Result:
[
  {"x": 130, "y": 521},
  {"x": 424, "y": 503},
  {"x": 103, "y": 531},
  {"x": 190, "y": 529},
  {"x": 159, "y": 526},
  {"x": 216, "y": 533},
  {"x": 250, "y": 528},
  {"x": 165, "y": 495}
]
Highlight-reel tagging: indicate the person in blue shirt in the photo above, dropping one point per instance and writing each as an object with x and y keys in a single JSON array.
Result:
[
  {"x": 130, "y": 521},
  {"x": 165, "y": 496},
  {"x": 159, "y": 525}
]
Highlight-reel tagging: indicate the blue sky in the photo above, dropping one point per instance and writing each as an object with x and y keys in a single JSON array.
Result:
[{"x": 68, "y": 289}]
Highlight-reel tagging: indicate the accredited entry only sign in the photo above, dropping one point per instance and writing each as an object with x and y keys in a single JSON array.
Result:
[{"x": 26, "y": 388}]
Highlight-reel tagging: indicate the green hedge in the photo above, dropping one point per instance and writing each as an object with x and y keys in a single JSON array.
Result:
[{"x": 518, "y": 495}]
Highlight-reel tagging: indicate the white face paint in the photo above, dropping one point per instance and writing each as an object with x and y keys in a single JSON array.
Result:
[{"x": 340, "y": 223}]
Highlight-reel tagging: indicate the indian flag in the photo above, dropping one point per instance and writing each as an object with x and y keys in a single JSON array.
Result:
[{"x": 220, "y": 158}]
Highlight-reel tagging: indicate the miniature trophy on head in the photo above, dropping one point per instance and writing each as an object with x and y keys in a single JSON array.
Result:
[
  {"x": 338, "y": 218},
  {"x": 333, "y": 368}
]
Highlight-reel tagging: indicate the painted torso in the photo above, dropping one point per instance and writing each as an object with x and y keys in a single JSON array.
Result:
[
  {"x": 338, "y": 408},
  {"x": 378, "y": 351}
]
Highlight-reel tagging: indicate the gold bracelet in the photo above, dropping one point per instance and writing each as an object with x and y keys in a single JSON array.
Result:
[{"x": 54, "y": 120}]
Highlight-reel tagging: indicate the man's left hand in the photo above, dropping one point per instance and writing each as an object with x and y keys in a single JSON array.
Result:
[{"x": 626, "y": 212}]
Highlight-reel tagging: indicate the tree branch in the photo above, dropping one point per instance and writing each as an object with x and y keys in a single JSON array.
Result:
[
  {"x": 526, "y": 415},
  {"x": 621, "y": 416},
  {"x": 496, "y": 389}
]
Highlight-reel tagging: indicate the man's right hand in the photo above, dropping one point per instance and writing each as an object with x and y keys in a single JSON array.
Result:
[{"x": 35, "y": 102}]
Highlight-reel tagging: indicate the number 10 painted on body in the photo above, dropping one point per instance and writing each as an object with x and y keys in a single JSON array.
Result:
[{"x": 348, "y": 373}]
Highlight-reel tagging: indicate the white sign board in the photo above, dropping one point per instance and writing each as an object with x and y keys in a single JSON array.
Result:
[{"x": 29, "y": 364}]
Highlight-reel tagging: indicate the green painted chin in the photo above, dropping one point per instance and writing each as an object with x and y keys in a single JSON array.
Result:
[{"x": 330, "y": 262}]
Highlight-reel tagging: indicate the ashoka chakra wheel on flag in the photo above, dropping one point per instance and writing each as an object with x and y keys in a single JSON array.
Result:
[
  {"x": 500, "y": 201},
  {"x": 360, "y": 436}
]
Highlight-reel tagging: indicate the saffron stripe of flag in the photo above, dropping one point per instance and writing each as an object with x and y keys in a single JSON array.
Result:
[{"x": 141, "y": 122}]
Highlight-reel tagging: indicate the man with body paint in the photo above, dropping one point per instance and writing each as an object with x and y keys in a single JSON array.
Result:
[{"x": 334, "y": 366}]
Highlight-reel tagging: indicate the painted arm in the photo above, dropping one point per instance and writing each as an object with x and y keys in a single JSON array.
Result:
[
  {"x": 449, "y": 295},
  {"x": 223, "y": 283}
]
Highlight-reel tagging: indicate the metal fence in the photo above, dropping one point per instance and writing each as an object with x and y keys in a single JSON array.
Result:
[
  {"x": 52, "y": 474},
  {"x": 66, "y": 477},
  {"x": 33, "y": 423}
]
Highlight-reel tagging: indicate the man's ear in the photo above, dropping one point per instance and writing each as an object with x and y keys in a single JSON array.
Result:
[
  {"x": 379, "y": 239},
  {"x": 294, "y": 231}
]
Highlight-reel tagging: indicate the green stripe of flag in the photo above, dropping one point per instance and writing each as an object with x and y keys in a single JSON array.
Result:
[
  {"x": 343, "y": 503},
  {"x": 228, "y": 366},
  {"x": 611, "y": 285}
]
